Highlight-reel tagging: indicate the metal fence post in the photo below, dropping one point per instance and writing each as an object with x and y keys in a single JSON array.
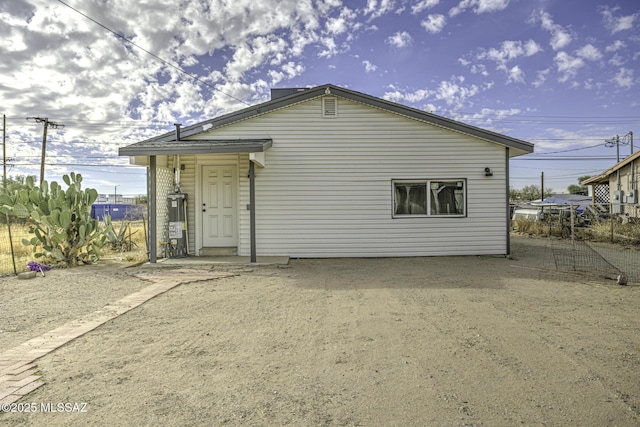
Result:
[{"x": 611, "y": 219}]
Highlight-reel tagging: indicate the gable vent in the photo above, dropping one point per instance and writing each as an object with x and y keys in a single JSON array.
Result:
[{"x": 329, "y": 107}]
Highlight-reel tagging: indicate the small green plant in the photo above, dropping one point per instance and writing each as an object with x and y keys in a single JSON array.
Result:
[{"x": 59, "y": 220}]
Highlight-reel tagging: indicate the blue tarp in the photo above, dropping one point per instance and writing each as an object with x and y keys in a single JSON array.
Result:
[
  {"x": 554, "y": 200},
  {"x": 576, "y": 200}
]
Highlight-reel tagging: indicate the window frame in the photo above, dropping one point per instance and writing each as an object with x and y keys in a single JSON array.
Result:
[{"x": 427, "y": 183}]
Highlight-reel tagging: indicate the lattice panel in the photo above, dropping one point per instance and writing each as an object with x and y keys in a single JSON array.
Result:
[
  {"x": 164, "y": 186},
  {"x": 601, "y": 193}
]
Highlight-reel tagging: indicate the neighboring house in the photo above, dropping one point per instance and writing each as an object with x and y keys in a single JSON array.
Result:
[
  {"x": 330, "y": 172},
  {"x": 618, "y": 186}
]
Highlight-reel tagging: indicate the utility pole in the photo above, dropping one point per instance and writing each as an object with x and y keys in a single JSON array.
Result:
[
  {"x": 47, "y": 123},
  {"x": 627, "y": 139},
  {"x": 4, "y": 186},
  {"x": 4, "y": 151}
]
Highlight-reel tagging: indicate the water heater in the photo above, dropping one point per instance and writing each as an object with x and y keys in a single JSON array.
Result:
[{"x": 177, "y": 211}]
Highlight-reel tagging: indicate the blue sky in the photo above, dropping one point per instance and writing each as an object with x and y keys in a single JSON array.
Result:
[{"x": 562, "y": 74}]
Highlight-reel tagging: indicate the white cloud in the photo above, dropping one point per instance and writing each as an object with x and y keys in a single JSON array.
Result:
[
  {"x": 62, "y": 65},
  {"x": 560, "y": 37},
  {"x": 515, "y": 75},
  {"x": 624, "y": 78},
  {"x": 479, "y": 6},
  {"x": 377, "y": 9},
  {"x": 451, "y": 92},
  {"x": 567, "y": 65},
  {"x": 434, "y": 23},
  {"x": 615, "y": 46},
  {"x": 617, "y": 23},
  {"x": 331, "y": 48},
  {"x": 589, "y": 52},
  {"x": 400, "y": 39},
  {"x": 487, "y": 116},
  {"x": 454, "y": 94},
  {"x": 423, "y": 5},
  {"x": 287, "y": 71},
  {"x": 411, "y": 97},
  {"x": 342, "y": 23},
  {"x": 479, "y": 69},
  {"x": 107, "y": 74},
  {"x": 369, "y": 67},
  {"x": 541, "y": 77},
  {"x": 531, "y": 48},
  {"x": 253, "y": 54},
  {"x": 508, "y": 51},
  {"x": 616, "y": 60}
]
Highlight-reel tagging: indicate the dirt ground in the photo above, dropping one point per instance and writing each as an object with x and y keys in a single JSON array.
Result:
[{"x": 454, "y": 341}]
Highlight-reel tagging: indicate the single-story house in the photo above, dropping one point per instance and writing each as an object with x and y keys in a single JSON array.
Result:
[
  {"x": 618, "y": 186},
  {"x": 331, "y": 172}
]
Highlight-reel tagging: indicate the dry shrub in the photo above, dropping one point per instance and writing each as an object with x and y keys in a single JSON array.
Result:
[
  {"x": 627, "y": 232},
  {"x": 540, "y": 228}
]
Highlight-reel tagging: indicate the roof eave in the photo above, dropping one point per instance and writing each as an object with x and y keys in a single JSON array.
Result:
[
  {"x": 525, "y": 147},
  {"x": 598, "y": 179},
  {"x": 604, "y": 176},
  {"x": 202, "y": 147}
]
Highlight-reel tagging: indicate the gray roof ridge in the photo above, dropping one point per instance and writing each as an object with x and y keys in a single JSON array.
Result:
[{"x": 274, "y": 104}]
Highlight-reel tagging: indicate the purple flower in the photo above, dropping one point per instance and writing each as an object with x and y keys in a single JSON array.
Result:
[{"x": 36, "y": 266}]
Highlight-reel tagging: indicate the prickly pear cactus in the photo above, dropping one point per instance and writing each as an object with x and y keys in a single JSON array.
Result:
[{"x": 60, "y": 220}]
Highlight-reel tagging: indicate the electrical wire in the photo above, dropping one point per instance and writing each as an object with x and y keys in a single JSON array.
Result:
[
  {"x": 564, "y": 158},
  {"x": 75, "y": 164},
  {"x": 571, "y": 149}
]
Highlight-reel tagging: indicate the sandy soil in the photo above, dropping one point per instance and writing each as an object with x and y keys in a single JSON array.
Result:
[{"x": 456, "y": 341}]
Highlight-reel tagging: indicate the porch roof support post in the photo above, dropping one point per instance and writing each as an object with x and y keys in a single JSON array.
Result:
[
  {"x": 252, "y": 209},
  {"x": 508, "y": 189},
  {"x": 153, "y": 248}
]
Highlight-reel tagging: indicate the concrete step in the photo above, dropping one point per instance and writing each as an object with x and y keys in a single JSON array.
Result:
[{"x": 229, "y": 251}]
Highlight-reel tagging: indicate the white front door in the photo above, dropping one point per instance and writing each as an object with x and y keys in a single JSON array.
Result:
[{"x": 219, "y": 210}]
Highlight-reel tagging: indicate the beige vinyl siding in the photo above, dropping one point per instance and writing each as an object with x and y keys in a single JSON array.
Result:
[{"x": 326, "y": 190}]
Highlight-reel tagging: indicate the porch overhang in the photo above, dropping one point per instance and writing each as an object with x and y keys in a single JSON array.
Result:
[
  {"x": 153, "y": 149},
  {"x": 596, "y": 180},
  {"x": 196, "y": 146}
]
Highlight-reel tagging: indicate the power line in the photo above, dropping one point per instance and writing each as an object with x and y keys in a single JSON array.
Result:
[
  {"x": 564, "y": 139},
  {"x": 76, "y": 164},
  {"x": 68, "y": 156},
  {"x": 571, "y": 149},
  {"x": 175, "y": 67},
  {"x": 565, "y": 158}
]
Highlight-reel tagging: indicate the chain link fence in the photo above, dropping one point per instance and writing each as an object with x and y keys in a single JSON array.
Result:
[{"x": 594, "y": 239}]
